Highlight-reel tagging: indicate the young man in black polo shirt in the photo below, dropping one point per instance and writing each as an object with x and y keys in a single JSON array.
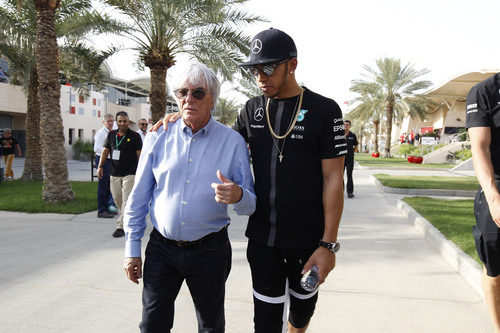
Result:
[
  {"x": 483, "y": 123},
  {"x": 352, "y": 147},
  {"x": 297, "y": 143},
  {"x": 124, "y": 146}
]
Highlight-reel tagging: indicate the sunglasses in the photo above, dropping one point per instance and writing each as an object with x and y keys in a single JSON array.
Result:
[
  {"x": 143, "y": 124},
  {"x": 198, "y": 93},
  {"x": 267, "y": 69}
]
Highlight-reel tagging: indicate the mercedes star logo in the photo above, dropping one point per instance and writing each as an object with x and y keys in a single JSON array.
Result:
[
  {"x": 259, "y": 114},
  {"x": 256, "y": 46}
]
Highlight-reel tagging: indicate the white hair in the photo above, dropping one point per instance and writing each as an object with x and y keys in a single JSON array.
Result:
[{"x": 198, "y": 75}]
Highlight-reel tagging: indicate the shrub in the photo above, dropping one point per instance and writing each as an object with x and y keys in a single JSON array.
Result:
[
  {"x": 83, "y": 150},
  {"x": 406, "y": 149},
  {"x": 463, "y": 154}
]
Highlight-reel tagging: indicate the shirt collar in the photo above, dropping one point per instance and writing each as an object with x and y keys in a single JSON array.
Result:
[{"x": 205, "y": 130}]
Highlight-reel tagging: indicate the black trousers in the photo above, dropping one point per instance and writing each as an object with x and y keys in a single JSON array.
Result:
[
  {"x": 205, "y": 267},
  {"x": 348, "y": 167},
  {"x": 276, "y": 285}
]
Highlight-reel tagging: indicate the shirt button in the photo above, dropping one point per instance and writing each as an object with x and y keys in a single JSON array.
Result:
[
  {"x": 194, "y": 140},
  {"x": 190, "y": 160},
  {"x": 184, "y": 203},
  {"x": 183, "y": 223},
  {"x": 188, "y": 181}
]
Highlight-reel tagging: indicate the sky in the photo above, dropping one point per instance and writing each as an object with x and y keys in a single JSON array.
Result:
[{"x": 336, "y": 38}]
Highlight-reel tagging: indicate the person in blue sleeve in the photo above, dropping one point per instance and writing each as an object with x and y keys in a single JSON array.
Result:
[{"x": 185, "y": 179}]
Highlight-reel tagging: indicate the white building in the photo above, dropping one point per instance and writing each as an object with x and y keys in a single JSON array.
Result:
[
  {"x": 81, "y": 118},
  {"x": 449, "y": 117}
]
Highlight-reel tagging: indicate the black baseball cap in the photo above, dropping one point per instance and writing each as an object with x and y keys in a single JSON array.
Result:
[{"x": 271, "y": 45}]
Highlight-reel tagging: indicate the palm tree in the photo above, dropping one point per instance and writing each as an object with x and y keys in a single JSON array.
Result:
[
  {"x": 369, "y": 108},
  {"x": 226, "y": 111},
  {"x": 399, "y": 87},
  {"x": 18, "y": 24},
  {"x": 205, "y": 30}
]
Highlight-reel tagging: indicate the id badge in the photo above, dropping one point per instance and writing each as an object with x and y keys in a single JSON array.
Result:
[{"x": 116, "y": 155}]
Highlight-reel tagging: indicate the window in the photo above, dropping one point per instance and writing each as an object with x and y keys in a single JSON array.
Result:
[
  {"x": 72, "y": 110},
  {"x": 99, "y": 114},
  {"x": 94, "y": 113},
  {"x": 81, "y": 99},
  {"x": 98, "y": 102},
  {"x": 73, "y": 98},
  {"x": 80, "y": 111},
  {"x": 70, "y": 136},
  {"x": 80, "y": 134},
  {"x": 94, "y": 101}
]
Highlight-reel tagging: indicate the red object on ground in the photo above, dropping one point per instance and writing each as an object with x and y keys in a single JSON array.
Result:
[
  {"x": 376, "y": 155},
  {"x": 411, "y": 159},
  {"x": 418, "y": 159}
]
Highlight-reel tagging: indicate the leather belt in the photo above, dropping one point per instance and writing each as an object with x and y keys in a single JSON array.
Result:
[{"x": 184, "y": 243}]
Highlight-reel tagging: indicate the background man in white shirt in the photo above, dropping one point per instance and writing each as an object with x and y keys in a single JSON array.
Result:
[
  {"x": 143, "y": 128},
  {"x": 105, "y": 204}
]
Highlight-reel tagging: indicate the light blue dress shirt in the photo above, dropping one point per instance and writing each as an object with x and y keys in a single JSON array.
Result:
[{"x": 173, "y": 183}]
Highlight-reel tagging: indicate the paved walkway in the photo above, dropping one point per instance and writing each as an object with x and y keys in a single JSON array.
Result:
[{"x": 62, "y": 273}]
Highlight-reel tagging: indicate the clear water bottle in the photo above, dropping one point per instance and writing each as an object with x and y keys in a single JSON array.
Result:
[{"x": 310, "y": 279}]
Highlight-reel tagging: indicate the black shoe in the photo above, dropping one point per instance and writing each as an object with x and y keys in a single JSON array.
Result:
[
  {"x": 112, "y": 212},
  {"x": 105, "y": 214},
  {"x": 350, "y": 195},
  {"x": 118, "y": 233}
]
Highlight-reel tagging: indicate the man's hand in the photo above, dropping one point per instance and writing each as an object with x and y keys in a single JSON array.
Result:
[
  {"x": 133, "y": 269},
  {"x": 169, "y": 118},
  {"x": 494, "y": 206},
  {"x": 100, "y": 172},
  {"x": 227, "y": 192},
  {"x": 324, "y": 259}
]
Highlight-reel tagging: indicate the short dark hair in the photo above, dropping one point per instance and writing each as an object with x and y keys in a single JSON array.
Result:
[
  {"x": 347, "y": 121},
  {"x": 121, "y": 113}
]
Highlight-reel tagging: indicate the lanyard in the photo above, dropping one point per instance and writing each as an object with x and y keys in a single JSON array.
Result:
[{"x": 116, "y": 140}]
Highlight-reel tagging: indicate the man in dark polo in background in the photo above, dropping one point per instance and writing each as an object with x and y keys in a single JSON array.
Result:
[
  {"x": 181, "y": 182},
  {"x": 124, "y": 147},
  {"x": 352, "y": 147},
  {"x": 8, "y": 147},
  {"x": 483, "y": 123}
]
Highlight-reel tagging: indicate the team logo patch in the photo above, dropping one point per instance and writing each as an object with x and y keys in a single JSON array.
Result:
[
  {"x": 259, "y": 114},
  {"x": 256, "y": 46},
  {"x": 302, "y": 114}
]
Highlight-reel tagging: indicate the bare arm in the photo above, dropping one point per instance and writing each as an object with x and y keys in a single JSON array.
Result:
[
  {"x": 138, "y": 152},
  {"x": 480, "y": 138},
  {"x": 333, "y": 205},
  {"x": 18, "y": 150}
]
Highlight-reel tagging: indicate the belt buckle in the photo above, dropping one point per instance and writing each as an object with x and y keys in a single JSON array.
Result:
[{"x": 184, "y": 243}]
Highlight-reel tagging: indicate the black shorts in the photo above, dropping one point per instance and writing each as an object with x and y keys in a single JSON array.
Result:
[
  {"x": 276, "y": 286},
  {"x": 486, "y": 235}
]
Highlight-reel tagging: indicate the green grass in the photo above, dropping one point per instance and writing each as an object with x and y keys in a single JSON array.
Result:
[
  {"x": 19, "y": 196},
  {"x": 454, "y": 218},
  {"x": 367, "y": 160},
  {"x": 429, "y": 182}
]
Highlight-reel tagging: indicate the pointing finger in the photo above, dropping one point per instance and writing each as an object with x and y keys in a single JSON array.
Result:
[{"x": 222, "y": 178}]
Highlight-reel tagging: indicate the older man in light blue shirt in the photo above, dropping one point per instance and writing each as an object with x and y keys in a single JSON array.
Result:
[{"x": 186, "y": 177}]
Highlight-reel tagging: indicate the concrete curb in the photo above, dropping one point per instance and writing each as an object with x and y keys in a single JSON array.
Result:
[
  {"x": 432, "y": 192},
  {"x": 459, "y": 260}
]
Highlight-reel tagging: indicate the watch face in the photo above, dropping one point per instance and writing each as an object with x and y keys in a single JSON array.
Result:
[{"x": 336, "y": 248}]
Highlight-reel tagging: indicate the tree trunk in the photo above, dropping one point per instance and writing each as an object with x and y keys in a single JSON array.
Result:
[
  {"x": 376, "y": 123},
  {"x": 33, "y": 162},
  {"x": 158, "y": 92},
  {"x": 56, "y": 185},
  {"x": 390, "y": 111}
]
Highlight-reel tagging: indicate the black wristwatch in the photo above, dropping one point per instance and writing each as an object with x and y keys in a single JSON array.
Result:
[{"x": 332, "y": 247}]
